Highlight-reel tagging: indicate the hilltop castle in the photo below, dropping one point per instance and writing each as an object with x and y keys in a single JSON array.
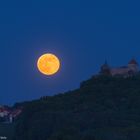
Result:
[{"x": 131, "y": 69}]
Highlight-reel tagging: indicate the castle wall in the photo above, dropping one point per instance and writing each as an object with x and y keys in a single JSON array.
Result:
[
  {"x": 119, "y": 71},
  {"x": 133, "y": 67},
  {"x": 129, "y": 70}
]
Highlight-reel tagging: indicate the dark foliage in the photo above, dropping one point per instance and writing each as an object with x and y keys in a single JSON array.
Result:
[{"x": 103, "y": 108}]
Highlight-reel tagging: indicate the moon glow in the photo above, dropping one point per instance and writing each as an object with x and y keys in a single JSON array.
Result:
[{"x": 48, "y": 64}]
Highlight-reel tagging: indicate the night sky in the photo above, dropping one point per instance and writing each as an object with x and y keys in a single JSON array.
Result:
[{"x": 83, "y": 34}]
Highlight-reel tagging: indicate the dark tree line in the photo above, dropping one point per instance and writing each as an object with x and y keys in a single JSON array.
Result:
[{"x": 103, "y": 108}]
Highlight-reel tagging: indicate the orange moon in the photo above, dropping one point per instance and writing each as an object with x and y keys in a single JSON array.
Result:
[{"x": 48, "y": 64}]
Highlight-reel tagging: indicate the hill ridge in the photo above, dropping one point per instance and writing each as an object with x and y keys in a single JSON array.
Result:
[{"x": 102, "y": 108}]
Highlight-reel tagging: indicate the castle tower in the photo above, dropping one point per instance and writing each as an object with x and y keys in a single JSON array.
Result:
[
  {"x": 105, "y": 69},
  {"x": 133, "y": 65}
]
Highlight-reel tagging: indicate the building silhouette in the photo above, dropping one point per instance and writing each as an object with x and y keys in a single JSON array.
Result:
[{"x": 126, "y": 71}]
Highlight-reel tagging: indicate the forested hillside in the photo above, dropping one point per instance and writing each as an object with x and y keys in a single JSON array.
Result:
[
  {"x": 6, "y": 131},
  {"x": 103, "y": 108}
]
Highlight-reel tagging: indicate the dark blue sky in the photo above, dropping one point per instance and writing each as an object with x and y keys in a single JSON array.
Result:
[{"x": 81, "y": 33}]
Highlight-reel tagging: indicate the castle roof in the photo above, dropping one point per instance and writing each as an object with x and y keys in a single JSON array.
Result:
[
  {"x": 133, "y": 61},
  {"x": 105, "y": 65}
]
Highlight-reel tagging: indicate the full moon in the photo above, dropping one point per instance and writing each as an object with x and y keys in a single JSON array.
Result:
[{"x": 48, "y": 64}]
